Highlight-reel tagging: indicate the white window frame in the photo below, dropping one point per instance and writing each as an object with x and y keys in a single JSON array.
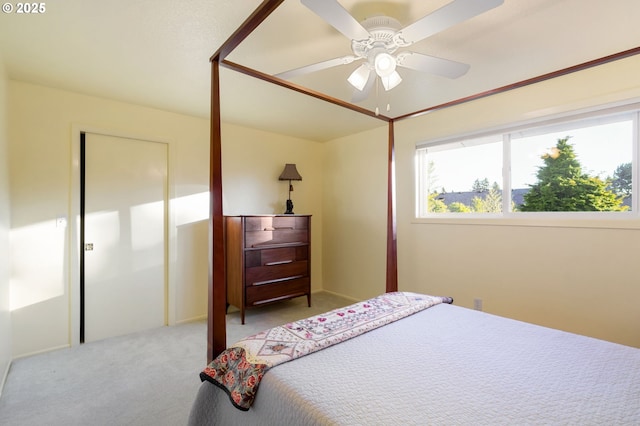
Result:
[{"x": 573, "y": 219}]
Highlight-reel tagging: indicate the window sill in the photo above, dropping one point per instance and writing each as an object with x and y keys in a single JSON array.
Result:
[{"x": 551, "y": 220}]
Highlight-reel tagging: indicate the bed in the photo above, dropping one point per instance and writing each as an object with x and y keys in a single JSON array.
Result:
[{"x": 443, "y": 364}]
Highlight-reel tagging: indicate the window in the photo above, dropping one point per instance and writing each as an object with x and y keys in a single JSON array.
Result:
[
  {"x": 455, "y": 181},
  {"x": 579, "y": 164}
]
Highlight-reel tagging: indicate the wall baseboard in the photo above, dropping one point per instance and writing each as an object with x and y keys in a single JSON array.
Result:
[
  {"x": 344, "y": 296},
  {"x": 4, "y": 377},
  {"x": 194, "y": 319},
  {"x": 42, "y": 351}
]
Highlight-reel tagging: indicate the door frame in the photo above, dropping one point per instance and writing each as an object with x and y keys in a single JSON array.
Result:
[{"x": 74, "y": 228}]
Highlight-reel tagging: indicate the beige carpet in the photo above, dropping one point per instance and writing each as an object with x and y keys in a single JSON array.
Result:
[{"x": 148, "y": 378}]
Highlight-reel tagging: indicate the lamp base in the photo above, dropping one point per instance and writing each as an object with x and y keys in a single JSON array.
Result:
[{"x": 289, "y": 207}]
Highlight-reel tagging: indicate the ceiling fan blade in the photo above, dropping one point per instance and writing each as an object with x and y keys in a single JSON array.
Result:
[
  {"x": 431, "y": 64},
  {"x": 445, "y": 17},
  {"x": 338, "y": 17},
  {"x": 361, "y": 95},
  {"x": 344, "y": 60}
]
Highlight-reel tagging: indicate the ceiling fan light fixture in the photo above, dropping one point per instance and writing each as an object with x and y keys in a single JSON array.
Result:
[
  {"x": 385, "y": 64},
  {"x": 378, "y": 38},
  {"x": 359, "y": 77},
  {"x": 391, "y": 81}
]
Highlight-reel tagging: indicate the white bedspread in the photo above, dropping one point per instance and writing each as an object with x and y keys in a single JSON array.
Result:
[{"x": 445, "y": 365}]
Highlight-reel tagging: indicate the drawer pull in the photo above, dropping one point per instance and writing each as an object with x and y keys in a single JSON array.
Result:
[
  {"x": 279, "y": 280},
  {"x": 275, "y": 228},
  {"x": 282, "y": 262},
  {"x": 288, "y": 296},
  {"x": 269, "y": 244}
]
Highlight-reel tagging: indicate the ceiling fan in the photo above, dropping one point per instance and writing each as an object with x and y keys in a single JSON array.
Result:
[{"x": 378, "y": 41}]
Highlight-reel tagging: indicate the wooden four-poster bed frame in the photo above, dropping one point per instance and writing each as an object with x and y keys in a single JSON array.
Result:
[{"x": 216, "y": 332}]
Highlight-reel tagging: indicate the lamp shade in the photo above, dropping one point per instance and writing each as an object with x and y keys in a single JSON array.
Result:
[
  {"x": 359, "y": 77},
  {"x": 385, "y": 64},
  {"x": 290, "y": 173},
  {"x": 391, "y": 81}
]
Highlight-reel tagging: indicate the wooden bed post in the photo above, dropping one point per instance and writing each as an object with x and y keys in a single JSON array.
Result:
[
  {"x": 392, "y": 246},
  {"x": 217, "y": 306},
  {"x": 216, "y": 324}
]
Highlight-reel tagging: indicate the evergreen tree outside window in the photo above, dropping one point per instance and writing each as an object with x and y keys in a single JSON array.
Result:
[
  {"x": 621, "y": 182},
  {"x": 569, "y": 167},
  {"x": 563, "y": 187}
]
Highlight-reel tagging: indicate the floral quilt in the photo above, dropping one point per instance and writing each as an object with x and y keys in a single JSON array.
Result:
[{"x": 240, "y": 368}]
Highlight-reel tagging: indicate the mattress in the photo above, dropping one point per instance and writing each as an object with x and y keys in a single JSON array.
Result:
[{"x": 444, "y": 365}]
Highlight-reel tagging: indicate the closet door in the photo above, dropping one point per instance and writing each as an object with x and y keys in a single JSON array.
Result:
[{"x": 125, "y": 223}]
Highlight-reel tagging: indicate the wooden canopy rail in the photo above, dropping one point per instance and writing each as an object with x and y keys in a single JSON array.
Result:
[{"x": 216, "y": 330}]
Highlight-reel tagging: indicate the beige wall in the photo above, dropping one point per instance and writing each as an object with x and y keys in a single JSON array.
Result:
[
  {"x": 5, "y": 315},
  {"x": 355, "y": 212},
  {"x": 570, "y": 276},
  {"x": 43, "y": 123}
]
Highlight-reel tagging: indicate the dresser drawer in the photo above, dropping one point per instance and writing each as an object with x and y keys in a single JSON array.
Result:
[
  {"x": 264, "y": 275},
  {"x": 276, "y": 256},
  {"x": 273, "y": 231},
  {"x": 257, "y": 295},
  {"x": 260, "y": 223}
]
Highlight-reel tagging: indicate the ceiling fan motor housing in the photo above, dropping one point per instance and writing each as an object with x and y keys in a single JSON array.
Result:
[{"x": 382, "y": 30}]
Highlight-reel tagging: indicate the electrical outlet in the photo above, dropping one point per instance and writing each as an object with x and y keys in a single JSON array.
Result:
[{"x": 477, "y": 304}]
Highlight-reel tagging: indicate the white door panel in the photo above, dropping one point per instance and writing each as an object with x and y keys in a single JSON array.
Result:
[{"x": 124, "y": 232}]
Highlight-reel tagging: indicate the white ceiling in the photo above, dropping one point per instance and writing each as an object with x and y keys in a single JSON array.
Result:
[{"x": 156, "y": 53}]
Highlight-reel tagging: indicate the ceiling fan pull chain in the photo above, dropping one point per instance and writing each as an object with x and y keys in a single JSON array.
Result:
[{"x": 377, "y": 98}]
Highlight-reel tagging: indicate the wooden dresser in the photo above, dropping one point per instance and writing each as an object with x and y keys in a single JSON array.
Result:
[{"x": 268, "y": 259}]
